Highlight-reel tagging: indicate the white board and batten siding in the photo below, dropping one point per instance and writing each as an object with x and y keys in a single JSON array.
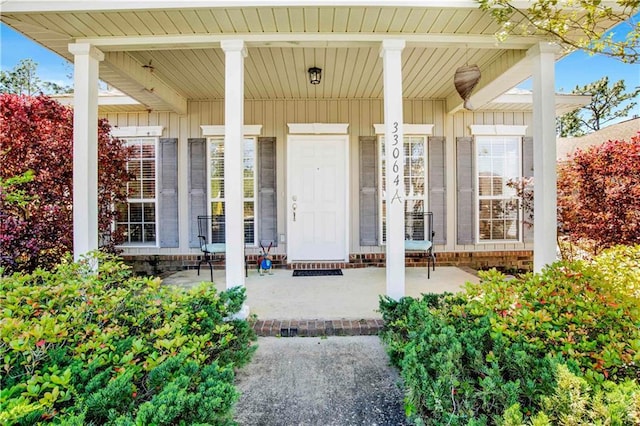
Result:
[{"x": 360, "y": 114}]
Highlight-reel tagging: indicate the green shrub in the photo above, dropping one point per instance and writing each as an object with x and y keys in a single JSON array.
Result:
[
  {"x": 468, "y": 358},
  {"x": 573, "y": 402},
  {"x": 85, "y": 348}
]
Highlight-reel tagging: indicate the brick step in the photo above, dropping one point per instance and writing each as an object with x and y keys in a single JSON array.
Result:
[{"x": 317, "y": 327}]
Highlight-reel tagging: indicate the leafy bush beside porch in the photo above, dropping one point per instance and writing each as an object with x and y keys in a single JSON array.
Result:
[
  {"x": 110, "y": 348},
  {"x": 498, "y": 346}
]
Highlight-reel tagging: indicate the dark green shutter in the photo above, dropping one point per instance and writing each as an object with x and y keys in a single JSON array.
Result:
[
  {"x": 267, "y": 194},
  {"x": 197, "y": 186},
  {"x": 168, "y": 193},
  {"x": 368, "y": 191},
  {"x": 466, "y": 208},
  {"x": 437, "y": 187},
  {"x": 527, "y": 171}
]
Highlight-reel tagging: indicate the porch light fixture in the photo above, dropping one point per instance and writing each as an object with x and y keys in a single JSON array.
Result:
[{"x": 315, "y": 74}]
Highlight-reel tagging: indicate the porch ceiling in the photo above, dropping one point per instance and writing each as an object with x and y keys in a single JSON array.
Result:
[{"x": 159, "y": 54}]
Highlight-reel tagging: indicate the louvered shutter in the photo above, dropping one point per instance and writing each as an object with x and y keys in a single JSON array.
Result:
[
  {"x": 267, "y": 195},
  {"x": 437, "y": 187},
  {"x": 197, "y": 186},
  {"x": 466, "y": 208},
  {"x": 368, "y": 191},
  {"x": 168, "y": 193},
  {"x": 527, "y": 171}
]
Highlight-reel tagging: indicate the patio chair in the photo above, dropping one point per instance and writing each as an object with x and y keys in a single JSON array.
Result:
[
  {"x": 211, "y": 234},
  {"x": 419, "y": 237}
]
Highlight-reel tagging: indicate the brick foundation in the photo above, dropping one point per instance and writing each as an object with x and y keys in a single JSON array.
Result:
[{"x": 160, "y": 264}]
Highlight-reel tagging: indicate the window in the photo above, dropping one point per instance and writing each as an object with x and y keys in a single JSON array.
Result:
[
  {"x": 216, "y": 188},
  {"x": 498, "y": 162},
  {"x": 137, "y": 218},
  {"x": 415, "y": 178}
]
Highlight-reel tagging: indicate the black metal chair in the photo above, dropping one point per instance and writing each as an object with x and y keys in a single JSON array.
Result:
[
  {"x": 211, "y": 235},
  {"x": 419, "y": 235}
]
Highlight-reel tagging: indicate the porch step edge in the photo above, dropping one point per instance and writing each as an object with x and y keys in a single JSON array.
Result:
[{"x": 318, "y": 327}]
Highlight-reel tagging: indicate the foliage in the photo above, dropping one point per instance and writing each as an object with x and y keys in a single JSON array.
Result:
[
  {"x": 576, "y": 24},
  {"x": 599, "y": 194},
  {"x": 608, "y": 102},
  {"x": 468, "y": 358},
  {"x": 575, "y": 403},
  {"x": 84, "y": 348},
  {"x": 36, "y": 153},
  {"x": 24, "y": 80}
]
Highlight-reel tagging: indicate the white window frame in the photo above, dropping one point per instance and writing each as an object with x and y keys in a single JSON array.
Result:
[
  {"x": 218, "y": 139},
  {"x": 153, "y": 139},
  {"x": 381, "y": 193},
  {"x": 493, "y": 136}
]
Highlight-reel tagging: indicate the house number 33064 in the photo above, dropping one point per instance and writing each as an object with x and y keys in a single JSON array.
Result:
[{"x": 396, "y": 164}]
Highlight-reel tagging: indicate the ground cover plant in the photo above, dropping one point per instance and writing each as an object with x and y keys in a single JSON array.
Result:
[
  {"x": 81, "y": 348},
  {"x": 494, "y": 352}
]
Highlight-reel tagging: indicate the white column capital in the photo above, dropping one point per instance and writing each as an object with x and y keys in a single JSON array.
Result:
[
  {"x": 234, "y": 46},
  {"x": 392, "y": 44},
  {"x": 86, "y": 49},
  {"x": 544, "y": 47}
]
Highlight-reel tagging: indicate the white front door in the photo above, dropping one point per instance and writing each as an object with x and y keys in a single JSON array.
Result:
[{"x": 317, "y": 198}]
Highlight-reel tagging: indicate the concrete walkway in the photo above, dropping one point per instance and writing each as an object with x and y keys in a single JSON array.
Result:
[{"x": 314, "y": 381}]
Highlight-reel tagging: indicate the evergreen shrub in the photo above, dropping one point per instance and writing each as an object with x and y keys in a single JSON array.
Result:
[
  {"x": 87, "y": 348},
  {"x": 468, "y": 358}
]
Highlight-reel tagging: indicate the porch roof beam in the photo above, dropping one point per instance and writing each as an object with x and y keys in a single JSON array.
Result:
[
  {"x": 319, "y": 40},
  {"x": 153, "y": 90}
]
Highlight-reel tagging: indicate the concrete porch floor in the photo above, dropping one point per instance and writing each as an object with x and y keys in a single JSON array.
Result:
[{"x": 354, "y": 295}]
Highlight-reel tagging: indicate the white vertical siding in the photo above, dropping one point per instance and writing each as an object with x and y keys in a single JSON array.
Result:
[{"x": 274, "y": 115}]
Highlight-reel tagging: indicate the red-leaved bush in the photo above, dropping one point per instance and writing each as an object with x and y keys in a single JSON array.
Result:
[
  {"x": 36, "y": 219},
  {"x": 599, "y": 194}
]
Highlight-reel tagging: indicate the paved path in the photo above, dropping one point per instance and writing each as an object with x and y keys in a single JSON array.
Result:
[{"x": 319, "y": 381}]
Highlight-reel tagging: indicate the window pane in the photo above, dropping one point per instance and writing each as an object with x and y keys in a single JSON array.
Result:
[
  {"x": 148, "y": 169},
  {"x": 135, "y": 233},
  {"x": 217, "y": 188},
  {"x": 149, "y": 212},
  {"x": 249, "y": 222},
  {"x": 248, "y": 188},
  {"x": 498, "y": 161},
  {"x": 149, "y": 233},
  {"x": 135, "y": 210},
  {"x": 149, "y": 189},
  {"x": 123, "y": 212},
  {"x": 149, "y": 151}
]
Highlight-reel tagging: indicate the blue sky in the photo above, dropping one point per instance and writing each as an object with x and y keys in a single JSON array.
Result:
[{"x": 575, "y": 69}]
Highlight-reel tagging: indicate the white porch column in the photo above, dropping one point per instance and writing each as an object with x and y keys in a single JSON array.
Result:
[
  {"x": 544, "y": 155},
  {"x": 234, "y": 52},
  {"x": 391, "y": 53},
  {"x": 85, "y": 148}
]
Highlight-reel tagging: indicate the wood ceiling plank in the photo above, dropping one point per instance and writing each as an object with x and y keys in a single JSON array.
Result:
[
  {"x": 209, "y": 21},
  {"x": 329, "y": 70},
  {"x": 142, "y": 27},
  {"x": 356, "y": 18},
  {"x": 443, "y": 19},
  {"x": 125, "y": 25},
  {"x": 311, "y": 24},
  {"x": 192, "y": 18},
  {"x": 413, "y": 19},
  {"x": 110, "y": 24},
  {"x": 223, "y": 20},
  {"x": 370, "y": 19},
  {"x": 236, "y": 16},
  {"x": 428, "y": 19},
  {"x": 150, "y": 22},
  {"x": 384, "y": 21},
  {"x": 325, "y": 19},
  {"x": 296, "y": 18},
  {"x": 251, "y": 20},
  {"x": 340, "y": 21},
  {"x": 281, "y": 18},
  {"x": 265, "y": 19},
  {"x": 165, "y": 22},
  {"x": 399, "y": 20}
]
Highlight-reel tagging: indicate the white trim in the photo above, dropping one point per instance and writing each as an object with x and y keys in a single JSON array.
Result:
[
  {"x": 497, "y": 130},
  {"x": 137, "y": 131},
  {"x": 218, "y": 130},
  {"x": 409, "y": 129},
  {"x": 318, "y": 128}
]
